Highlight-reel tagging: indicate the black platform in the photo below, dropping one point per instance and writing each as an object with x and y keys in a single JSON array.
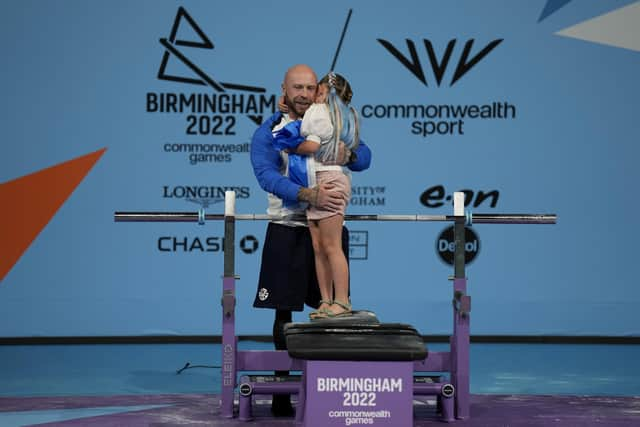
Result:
[{"x": 357, "y": 337}]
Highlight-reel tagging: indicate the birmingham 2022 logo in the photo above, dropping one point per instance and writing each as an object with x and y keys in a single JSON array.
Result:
[
  {"x": 214, "y": 111},
  {"x": 441, "y": 119}
]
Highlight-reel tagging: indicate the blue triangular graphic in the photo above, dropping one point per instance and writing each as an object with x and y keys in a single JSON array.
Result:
[
  {"x": 551, "y": 7},
  {"x": 25, "y": 418}
]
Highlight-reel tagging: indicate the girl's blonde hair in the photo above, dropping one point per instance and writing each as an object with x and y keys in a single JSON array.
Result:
[{"x": 346, "y": 125}]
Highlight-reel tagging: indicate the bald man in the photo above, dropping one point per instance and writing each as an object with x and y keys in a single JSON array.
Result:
[{"x": 287, "y": 273}]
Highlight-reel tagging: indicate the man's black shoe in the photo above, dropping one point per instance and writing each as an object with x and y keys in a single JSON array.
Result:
[{"x": 281, "y": 406}]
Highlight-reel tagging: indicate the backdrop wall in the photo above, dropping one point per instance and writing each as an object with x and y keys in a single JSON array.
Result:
[{"x": 529, "y": 106}]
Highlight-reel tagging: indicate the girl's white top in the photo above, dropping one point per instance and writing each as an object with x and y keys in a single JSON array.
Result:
[{"x": 316, "y": 126}]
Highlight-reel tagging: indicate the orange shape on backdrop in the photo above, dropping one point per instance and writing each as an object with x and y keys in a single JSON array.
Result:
[{"x": 29, "y": 203}]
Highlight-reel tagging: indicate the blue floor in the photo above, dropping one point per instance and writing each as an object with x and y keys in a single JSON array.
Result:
[
  {"x": 99, "y": 370},
  {"x": 137, "y": 385}
]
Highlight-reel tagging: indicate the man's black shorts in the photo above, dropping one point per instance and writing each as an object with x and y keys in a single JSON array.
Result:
[{"x": 287, "y": 273}]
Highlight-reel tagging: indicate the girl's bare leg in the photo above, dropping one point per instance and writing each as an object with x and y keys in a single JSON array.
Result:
[
  {"x": 323, "y": 269},
  {"x": 331, "y": 241}
]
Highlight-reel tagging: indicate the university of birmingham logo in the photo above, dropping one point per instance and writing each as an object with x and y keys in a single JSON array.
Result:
[{"x": 439, "y": 65}]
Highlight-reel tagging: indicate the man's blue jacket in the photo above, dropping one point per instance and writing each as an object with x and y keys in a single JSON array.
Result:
[{"x": 267, "y": 163}]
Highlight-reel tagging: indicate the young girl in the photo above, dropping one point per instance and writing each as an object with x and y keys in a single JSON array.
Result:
[{"x": 327, "y": 122}]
